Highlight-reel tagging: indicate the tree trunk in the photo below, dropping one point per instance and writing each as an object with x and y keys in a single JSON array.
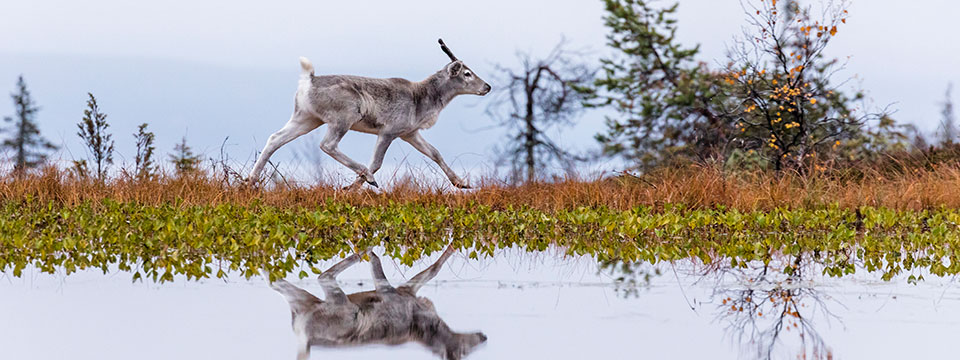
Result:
[
  {"x": 530, "y": 135},
  {"x": 21, "y": 164}
]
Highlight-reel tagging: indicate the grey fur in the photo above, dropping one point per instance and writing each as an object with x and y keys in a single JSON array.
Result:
[
  {"x": 386, "y": 315},
  {"x": 389, "y": 108}
]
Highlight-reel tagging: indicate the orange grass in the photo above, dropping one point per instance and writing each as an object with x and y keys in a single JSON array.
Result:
[{"x": 692, "y": 186}]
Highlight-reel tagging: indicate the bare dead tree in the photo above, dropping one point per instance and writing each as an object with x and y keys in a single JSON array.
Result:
[{"x": 539, "y": 96}]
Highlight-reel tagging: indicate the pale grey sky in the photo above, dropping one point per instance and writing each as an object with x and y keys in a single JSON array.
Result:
[{"x": 215, "y": 69}]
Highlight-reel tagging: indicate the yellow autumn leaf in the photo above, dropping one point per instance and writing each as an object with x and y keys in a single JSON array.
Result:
[
  {"x": 813, "y": 101},
  {"x": 833, "y": 31}
]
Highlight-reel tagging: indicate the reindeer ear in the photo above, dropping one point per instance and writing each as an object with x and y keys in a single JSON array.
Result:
[{"x": 455, "y": 68}]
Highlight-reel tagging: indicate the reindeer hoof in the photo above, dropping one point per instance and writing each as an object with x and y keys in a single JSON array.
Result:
[{"x": 374, "y": 183}]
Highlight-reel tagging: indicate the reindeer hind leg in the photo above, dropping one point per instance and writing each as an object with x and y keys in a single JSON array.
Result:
[{"x": 300, "y": 123}]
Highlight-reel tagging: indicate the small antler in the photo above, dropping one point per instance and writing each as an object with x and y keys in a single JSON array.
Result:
[{"x": 447, "y": 50}]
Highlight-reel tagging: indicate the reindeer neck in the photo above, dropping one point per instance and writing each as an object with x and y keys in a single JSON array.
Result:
[
  {"x": 432, "y": 94},
  {"x": 434, "y": 334}
]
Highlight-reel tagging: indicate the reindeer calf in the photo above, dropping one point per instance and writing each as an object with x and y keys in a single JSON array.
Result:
[
  {"x": 389, "y": 108},
  {"x": 386, "y": 315}
]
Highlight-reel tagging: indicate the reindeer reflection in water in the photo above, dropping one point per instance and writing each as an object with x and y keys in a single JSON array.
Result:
[{"x": 386, "y": 315}]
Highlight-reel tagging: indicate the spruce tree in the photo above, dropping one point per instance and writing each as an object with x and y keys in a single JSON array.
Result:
[
  {"x": 183, "y": 158},
  {"x": 664, "y": 98},
  {"x": 28, "y": 147}
]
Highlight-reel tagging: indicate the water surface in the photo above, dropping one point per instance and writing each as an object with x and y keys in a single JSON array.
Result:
[{"x": 530, "y": 305}]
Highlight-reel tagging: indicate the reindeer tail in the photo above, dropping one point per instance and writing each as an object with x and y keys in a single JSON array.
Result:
[
  {"x": 306, "y": 66},
  {"x": 300, "y": 300}
]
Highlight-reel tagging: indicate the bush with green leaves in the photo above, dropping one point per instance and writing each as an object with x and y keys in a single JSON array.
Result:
[{"x": 160, "y": 242}]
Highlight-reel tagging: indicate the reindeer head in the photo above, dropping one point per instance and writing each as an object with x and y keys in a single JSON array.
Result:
[
  {"x": 461, "y": 78},
  {"x": 433, "y": 332},
  {"x": 464, "y": 344}
]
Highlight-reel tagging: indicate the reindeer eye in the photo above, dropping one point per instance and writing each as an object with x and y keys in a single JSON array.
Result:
[{"x": 467, "y": 74}]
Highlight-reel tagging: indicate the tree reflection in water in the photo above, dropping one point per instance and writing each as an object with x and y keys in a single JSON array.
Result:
[
  {"x": 765, "y": 303},
  {"x": 628, "y": 277},
  {"x": 764, "y": 307}
]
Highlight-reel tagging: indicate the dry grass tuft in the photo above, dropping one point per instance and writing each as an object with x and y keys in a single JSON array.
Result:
[{"x": 692, "y": 186}]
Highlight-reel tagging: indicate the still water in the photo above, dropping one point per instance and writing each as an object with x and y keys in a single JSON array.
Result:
[{"x": 527, "y": 305}]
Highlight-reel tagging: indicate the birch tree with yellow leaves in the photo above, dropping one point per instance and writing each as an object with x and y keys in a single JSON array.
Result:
[{"x": 779, "y": 81}]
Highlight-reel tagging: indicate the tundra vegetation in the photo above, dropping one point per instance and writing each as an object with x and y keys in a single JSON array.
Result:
[
  {"x": 202, "y": 227},
  {"x": 763, "y": 161}
]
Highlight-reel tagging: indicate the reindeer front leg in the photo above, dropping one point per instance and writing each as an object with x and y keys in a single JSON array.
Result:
[
  {"x": 379, "y": 278},
  {"x": 329, "y": 144},
  {"x": 328, "y": 280},
  {"x": 379, "y": 151},
  {"x": 429, "y": 273},
  {"x": 421, "y": 144}
]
